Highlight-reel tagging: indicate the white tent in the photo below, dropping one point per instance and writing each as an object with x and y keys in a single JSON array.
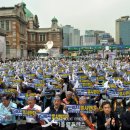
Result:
[{"x": 42, "y": 51}]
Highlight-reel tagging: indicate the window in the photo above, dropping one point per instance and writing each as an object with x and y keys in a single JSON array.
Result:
[
  {"x": 7, "y": 48},
  {"x": 53, "y": 37},
  {"x": 22, "y": 51},
  {"x": 21, "y": 28},
  {"x": 7, "y": 25},
  {"x": 2, "y": 24},
  {"x": 42, "y": 37},
  {"x": 32, "y": 37}
]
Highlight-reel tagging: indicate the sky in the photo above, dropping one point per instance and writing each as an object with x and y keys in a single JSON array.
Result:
[{"x": 81, "y": 14}]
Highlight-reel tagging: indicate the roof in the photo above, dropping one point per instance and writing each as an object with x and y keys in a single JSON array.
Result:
[
  {"x": 27, "y": 11},
  {"x": 42, "y": 30},
  {"x": 3, "y": 8}
]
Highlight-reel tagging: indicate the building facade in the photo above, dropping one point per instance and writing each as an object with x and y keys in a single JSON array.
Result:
[
  {"x": 71, "y": 36},
  {"x": 2, "y": 44},
  {"x": 94, "y": 37},
  {"x": 76, "y": 37},
  {"x": 105, "y": 38},
  {"x": 23, "y": 35},
  {"x": 13, "y": 21},
  {"x": 123, "y": 30},
  {"x": 37, "y": 37}
]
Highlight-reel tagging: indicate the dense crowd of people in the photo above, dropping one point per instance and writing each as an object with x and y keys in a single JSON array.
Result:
[{"x": 49, "y": 86}]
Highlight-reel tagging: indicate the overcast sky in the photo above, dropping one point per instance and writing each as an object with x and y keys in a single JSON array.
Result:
[{"x": 82, "y": 14}]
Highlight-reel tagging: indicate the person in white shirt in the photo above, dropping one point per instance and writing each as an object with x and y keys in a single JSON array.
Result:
[{"x": 31, "y": 122}]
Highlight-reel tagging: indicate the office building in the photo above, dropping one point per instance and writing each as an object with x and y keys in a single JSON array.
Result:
[{"x": 123, "y": 30}]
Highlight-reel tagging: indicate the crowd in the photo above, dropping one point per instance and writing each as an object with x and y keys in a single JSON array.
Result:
[{"x": 51, "y": 86}]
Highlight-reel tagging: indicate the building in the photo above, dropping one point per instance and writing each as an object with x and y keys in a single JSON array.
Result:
[
  {"x": 71, "y": 36},
  {"x": 13, "y": 21},
  {"x": 24, "y": 37},
  {"x": 123, "y": 30},
  {"x": 76, "y": 37},
  {"x": 37, "y": 37},
  {"x": 94, "y": 37},
  {"x": 68, "y": 35},
  {"x": 88, "y": 40},
  {"x": 3, "y": 44},
  {"x": 105, "y": 38},
  {"x": 81, "y": 40}
]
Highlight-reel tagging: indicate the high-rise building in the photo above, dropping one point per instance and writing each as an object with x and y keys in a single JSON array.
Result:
[
  {"x": 71, "y": 36},
  {"x": 93, "y": 37},
  {"x": 89, "y": 38},
  {"x": 123, "y": 30},
  {"x": 76, "y": 37},
  {"x": 105, "y": 38},
  {"x": 86, "y": 41}
]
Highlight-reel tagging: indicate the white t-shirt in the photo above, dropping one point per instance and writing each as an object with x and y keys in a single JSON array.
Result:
[{"x": 31, "y": 119}]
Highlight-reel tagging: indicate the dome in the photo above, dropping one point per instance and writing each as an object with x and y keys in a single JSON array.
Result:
[
  {"x": 54, "y": 20},
  {"x": 28, "y": 12}
]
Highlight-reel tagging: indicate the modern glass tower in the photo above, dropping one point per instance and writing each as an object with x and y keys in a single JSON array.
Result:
[{"x": 123, "y": 30}]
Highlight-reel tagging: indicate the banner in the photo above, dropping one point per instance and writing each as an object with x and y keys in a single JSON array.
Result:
[
  {"x": 87, "y": 92},
  {"x": 83, "y": 77},
  {"x": 9, "y": 91},
  {"x": 39, "y": 116},
  {"x": 26, "y": 95},
  {"x": 81, "y": 108},
  {"x": 121, "y": 94}
]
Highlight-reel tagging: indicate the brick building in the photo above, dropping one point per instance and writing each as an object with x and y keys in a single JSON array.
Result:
[
  {"x": 23, "y": 35},
  {"x": 2, "y": 44},
  {"x": 37, "y": 37}
]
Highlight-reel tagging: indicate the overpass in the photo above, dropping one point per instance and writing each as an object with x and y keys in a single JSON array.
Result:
[{"x": 97, "y": 47}]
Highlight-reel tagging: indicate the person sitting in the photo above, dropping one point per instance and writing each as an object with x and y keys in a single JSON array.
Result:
[
  {"x": 69, "y": 99},
  {"x": 56, "y": 108},
  {"x": 31, "y": 122},
  {"x": 106, "y": 119},
  {"x": 125, "y": 119},
  {"x": 5, "y": 111}
]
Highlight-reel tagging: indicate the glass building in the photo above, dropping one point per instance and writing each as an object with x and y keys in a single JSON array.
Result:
[{"x": 123, "y": 30}]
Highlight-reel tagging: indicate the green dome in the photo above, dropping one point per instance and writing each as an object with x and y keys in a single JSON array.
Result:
[
  {"x": 28, "y": 12},
  {"x": 54, "y": 20}
]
